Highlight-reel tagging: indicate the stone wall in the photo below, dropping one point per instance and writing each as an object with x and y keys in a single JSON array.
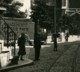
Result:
[{"x": 20, "y": 25}]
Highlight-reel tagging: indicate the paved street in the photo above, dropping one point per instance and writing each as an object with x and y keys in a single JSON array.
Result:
[{"x": 66, "y": 59}]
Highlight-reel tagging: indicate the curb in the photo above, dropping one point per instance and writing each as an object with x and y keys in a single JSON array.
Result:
[{"x": 5, "y": 69}]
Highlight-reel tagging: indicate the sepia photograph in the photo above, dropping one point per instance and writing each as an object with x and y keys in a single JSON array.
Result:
[{"x": 39, "y": 35}]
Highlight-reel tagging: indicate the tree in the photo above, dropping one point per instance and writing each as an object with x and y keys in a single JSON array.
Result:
[
  {"x": 65, "y": 22},
  {"x": 75, "y": 24},
  {"x": 5, "y": 2},
  {"x": 40, "y": 12},
  {"x": 13, "y": 10},
  {"x": 8, "y": 1}
]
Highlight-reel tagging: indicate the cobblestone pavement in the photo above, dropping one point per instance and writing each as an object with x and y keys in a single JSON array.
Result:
[{"x": 66, "y": 59}]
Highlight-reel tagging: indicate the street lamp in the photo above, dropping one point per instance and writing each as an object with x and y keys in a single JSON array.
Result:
[{"x": 55, "y": 33}]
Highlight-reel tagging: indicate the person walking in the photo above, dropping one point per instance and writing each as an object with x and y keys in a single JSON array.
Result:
[
  {"x": 21, "y": 44},
  {"x": 66, "y": 35},
  {"x": 37, "y": 46}
]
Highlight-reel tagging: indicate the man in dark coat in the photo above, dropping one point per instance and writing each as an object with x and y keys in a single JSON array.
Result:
[
  {"x": 37, "y": 46},
  {"x": 21, "y": 44}
]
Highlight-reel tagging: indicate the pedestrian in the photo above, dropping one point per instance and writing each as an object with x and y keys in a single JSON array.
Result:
[
  {"x": 66, "y": 35},
  {"x": 60, "y": 37},
  {"x": 21, "y": 44},
  {"x": 37, "y": 46}
]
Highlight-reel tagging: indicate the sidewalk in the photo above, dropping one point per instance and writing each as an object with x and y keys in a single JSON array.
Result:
[
  {"x": 26, "y": 62},
  {"x": 17, "y": 63}
]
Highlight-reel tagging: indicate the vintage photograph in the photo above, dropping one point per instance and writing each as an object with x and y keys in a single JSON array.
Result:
[{"x": 39, "y": 35}]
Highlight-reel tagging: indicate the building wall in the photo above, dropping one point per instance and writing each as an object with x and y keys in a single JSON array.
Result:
[
  {"x": 71, "y": 6},
  {"x": 74, "y": 3}
]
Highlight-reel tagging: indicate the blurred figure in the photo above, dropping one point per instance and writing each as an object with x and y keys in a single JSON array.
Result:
[
  {"x": 21, "y": 44},
  {"x": 66, "y": 35},
  {"x": 60, "y": 37}
]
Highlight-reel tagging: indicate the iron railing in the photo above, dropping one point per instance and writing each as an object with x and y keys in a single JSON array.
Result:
[{"x": 8, "y": 33}]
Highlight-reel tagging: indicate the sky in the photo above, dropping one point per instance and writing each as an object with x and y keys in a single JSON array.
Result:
[{"x": 26, "y": 6}]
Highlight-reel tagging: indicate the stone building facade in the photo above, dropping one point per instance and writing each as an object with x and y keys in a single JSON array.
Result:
[{"x": 70, "y": 6}]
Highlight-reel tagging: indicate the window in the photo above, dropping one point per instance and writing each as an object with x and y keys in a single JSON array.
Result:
[{"x": 63, "y": 2}]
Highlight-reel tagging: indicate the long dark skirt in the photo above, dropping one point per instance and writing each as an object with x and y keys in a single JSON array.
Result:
[{"x": 21, "y": 50}]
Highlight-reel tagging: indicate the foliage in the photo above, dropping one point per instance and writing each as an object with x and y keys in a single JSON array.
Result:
[
  {"x": 8, "y": 1},
  {"x": 45, "y": 13},
  {"x": 4, "y": 3},
  {"x": 39, "y": 12},
  {"x": 13, "y": 10},
  {"x": 70, "y": 22},
  {"x": 75, "y": 24},
  {"x": 65, "y": 22}
]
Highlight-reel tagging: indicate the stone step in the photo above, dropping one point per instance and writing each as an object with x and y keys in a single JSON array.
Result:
[
  {"x": 26, "y": 62},
  {"x": 4, "y": 58}
]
